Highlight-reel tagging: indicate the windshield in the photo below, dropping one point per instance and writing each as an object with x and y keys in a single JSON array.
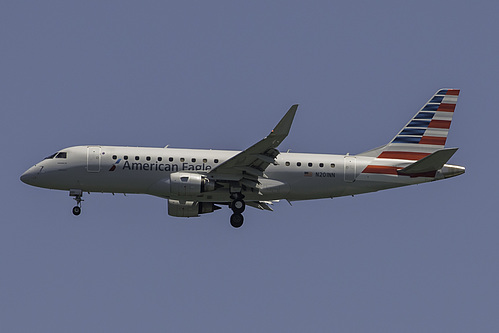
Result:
[{"x": 50, "y": 157}]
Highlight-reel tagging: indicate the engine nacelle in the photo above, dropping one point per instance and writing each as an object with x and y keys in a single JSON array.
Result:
[
  {"x": 189, "y": 208},
  {"x": 188, "y": 184}
]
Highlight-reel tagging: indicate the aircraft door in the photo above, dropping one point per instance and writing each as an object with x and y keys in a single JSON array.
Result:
[
  {"x": 350, "y": 170},
  {"x": 93, "y": 159}
]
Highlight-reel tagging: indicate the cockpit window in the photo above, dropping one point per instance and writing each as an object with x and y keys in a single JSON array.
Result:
[
  {"x": 62, "y": 154},
  {"x": 50, "y": 157}
]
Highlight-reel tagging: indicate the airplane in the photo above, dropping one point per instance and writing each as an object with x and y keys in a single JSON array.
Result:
[{"x": 196, "y": 181}]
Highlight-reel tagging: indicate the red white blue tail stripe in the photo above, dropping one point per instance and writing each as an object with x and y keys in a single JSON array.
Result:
[
  {"x": 430, "y": 126},
  {"x": 424, "y": 134}
]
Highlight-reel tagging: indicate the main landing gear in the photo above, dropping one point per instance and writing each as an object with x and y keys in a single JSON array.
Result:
[
  {"x": 236, "y": 220},
  {"x": 77, "y": 194},
  {"x": 237, "y": 206}
]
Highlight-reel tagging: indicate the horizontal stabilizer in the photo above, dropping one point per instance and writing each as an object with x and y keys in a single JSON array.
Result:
[{"x": 430, "y": 163}]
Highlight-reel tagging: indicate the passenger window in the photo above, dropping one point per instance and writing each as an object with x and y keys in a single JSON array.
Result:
[
  {"x": 182, "y": 159},
  {"x": 115, "y": 157},
  {"x": 332, "y": 165},
  {"x": 62, "y": 155},
  {"x": 205, "y": 160},
  {"x": 160, "y": 159},
  {"x": 298, "y": 163},
  {"x": 193, "y": 160},
  {"x": 170, "y": 159},
  {"x": 148, "y": 158},
  {"x": 137, "y": 158},
  {"x": 321, "y": 165},
  {"x": 125, "y": 157},
  {"x": 215, "y": 160},
  {"x": 310, "y": 164},
  {"x": 287, "y": 163}
]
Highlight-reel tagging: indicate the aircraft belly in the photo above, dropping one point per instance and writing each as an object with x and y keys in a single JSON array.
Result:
[
  {"x": 115, "y": 182},
  {"x": 313, "y": 187}
]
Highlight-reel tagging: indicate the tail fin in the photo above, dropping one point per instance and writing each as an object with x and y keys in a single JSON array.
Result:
[{"x": 425, "y": 133}]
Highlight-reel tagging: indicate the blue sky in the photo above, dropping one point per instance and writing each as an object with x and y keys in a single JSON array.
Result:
[{"x": 221, "y": 74}]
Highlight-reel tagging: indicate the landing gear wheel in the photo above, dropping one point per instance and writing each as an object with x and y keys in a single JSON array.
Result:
[
  {"x": 76, "y": 210},
  {"x": 236, "y": 220},
  {"x": 77, "y": 194},
  {"x": 238, "y": 206}
]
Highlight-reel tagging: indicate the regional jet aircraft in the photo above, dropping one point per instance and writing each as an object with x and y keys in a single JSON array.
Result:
[{"x": 195, "y": 181}]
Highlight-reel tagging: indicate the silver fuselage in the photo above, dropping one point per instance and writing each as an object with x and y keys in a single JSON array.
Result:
[{"x": 296, "y": 176}]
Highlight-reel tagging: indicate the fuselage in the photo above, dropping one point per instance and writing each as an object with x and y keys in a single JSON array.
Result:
[{"x": 144, "y": 170}]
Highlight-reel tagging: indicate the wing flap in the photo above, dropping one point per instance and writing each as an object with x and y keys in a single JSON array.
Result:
[
  {"x": 262, "y": 205},
  {"x": 250, "y": 170},
  {"x": 266, "y": 159}
]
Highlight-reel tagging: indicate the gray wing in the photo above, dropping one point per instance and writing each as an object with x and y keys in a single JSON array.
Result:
[{"x": 251, "y": 163}]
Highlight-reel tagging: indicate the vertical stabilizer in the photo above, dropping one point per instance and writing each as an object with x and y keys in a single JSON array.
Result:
[
  {"x": 426, "y": 132},
  {"x": 423, "y": 135}
]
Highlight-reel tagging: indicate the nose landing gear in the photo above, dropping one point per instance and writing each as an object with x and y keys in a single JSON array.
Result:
[
  {"x": 76, "y": 210},
  {"x": 77, "y": 194}
]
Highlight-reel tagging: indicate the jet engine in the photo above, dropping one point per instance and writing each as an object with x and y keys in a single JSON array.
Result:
[
  {"x": 189, "y": 184},
  {"x": 189, "y": 208}
]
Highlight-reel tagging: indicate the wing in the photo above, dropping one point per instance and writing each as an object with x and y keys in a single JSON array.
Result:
[{"x": 251, "y": 163}]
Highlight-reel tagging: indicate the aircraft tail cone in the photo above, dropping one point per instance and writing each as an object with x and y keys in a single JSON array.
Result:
[{"x": 449, "y": 171}]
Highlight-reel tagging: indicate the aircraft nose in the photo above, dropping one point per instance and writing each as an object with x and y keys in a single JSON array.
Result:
[{"x": 29, "y": 176}]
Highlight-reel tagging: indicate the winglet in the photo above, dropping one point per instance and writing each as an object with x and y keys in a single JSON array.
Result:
[{"x": 281, "y": 130}]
